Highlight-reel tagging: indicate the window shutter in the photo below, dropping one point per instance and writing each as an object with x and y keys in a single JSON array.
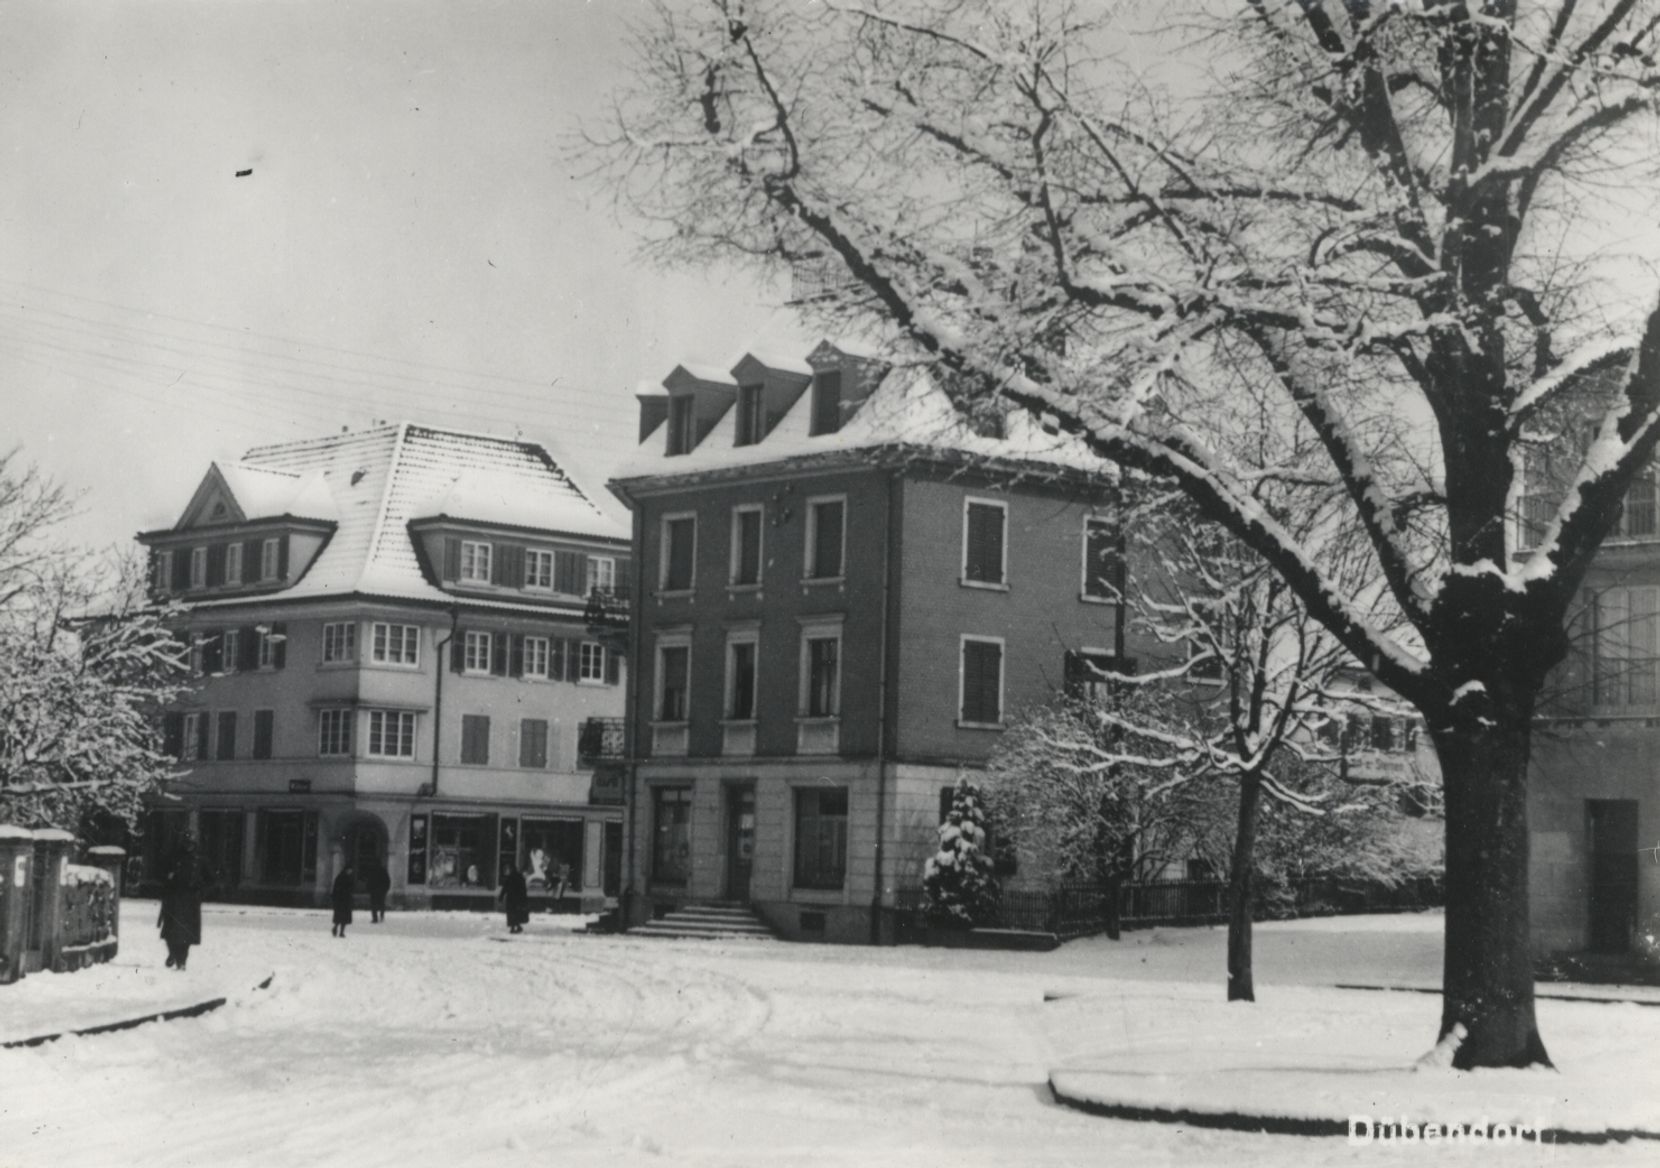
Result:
[
  {"x": 556, "y": 659},
  {"x": 498, "y": 564},
  {"x": 172, "y": 734},
  {"x": 452, "y": 558},
  {"x": 250, "y": 561},
  {"x": 248, "y": 649},
  {"x": 264, "y": 724},
  {"x": 516, "y": 660},
  {"x": 282, "y": 557},
  {"x": 498, "y": 654},
  {"x": 181, "y": 569},
  {"x": 279, "y": 648},
  {"x": 513, "y": 561},
  {"x": 613, "y": 667},
  {"x": 202, "y": 736},
  {"x": 215, "y": 565},
  {"x": 570, "y": 573},
  {"x": 458, "y": 650},
  {"x": 624, "y": 584},
  {"x": 213, "y": 653},
  {"x": 226, "y": 746}
]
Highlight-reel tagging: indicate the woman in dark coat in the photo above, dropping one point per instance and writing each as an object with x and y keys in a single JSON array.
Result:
[
  {"x": 379, "y": 881},
  {"x": 517, "y": 896},
  {"x": 345, "y": 887},
  {"x": 180, "y": 921}
]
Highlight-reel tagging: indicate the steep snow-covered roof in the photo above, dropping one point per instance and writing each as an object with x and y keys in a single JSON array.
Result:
[
  {"x": 376, "y": 481},
  {"x": 906, "y": 409}
]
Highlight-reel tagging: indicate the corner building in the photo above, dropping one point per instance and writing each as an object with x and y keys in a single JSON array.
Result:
[
  {"x": 390, "y": 635},
  {"x": 845, "y": 590}
]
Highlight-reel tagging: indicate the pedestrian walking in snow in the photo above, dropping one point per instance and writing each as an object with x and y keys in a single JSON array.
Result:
[
  {"x": 379, "y": 881},
  {"x": 517, "y": 897},
  {"x": 345, "y": 887},
  {"x": 180, "y": 920}
]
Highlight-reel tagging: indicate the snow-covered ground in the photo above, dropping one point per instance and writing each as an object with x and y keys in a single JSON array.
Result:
[{"x": 434, "y": 1039}]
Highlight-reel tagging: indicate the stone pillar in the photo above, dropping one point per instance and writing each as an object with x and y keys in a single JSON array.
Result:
[
  {"x": 111, "y": 860},
  {"x": 52, "y": 846},
  {"x": 17, "y": 856}
]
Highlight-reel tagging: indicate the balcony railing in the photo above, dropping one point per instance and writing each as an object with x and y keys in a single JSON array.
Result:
[{"x": 600, "y": 740}]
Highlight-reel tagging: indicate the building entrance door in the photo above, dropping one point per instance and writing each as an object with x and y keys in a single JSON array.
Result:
[
  {"x": 363, "y": 852},
  {"x": 740, "y": 840},
  {"x": 1613, "y": 844}
]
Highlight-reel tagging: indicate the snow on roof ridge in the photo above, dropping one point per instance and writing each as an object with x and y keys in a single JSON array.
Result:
[
  {"x": 378, "y": 531},
  {"x": 326, "y": 440}
]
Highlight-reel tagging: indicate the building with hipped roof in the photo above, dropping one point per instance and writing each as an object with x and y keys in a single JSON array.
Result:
[
  {"x": 844, "y": 590},
  {"x": 390, "y": 630}
]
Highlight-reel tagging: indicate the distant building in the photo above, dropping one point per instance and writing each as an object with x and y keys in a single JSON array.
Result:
[
  {"x": 844, "y": 591},
  {"x": 395, "y": 666}
]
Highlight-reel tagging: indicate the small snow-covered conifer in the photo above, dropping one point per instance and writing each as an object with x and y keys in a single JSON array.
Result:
[{"x": 959, "y": 882}]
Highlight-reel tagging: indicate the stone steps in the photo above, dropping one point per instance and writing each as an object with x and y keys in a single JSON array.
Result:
[{"x": 708, "y": 922}]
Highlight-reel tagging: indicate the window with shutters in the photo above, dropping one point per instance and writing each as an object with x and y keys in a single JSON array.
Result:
[
  {"x": 591, "y": 662},
  {"x": 980, "y": 683},
  {"x": 265, "y": 724},
  {"x": 334, "y": 733},
  {"x": 602, "y": 574},
  {"x": 682, "y": 433},
  {"x": 533, "y": 743},
  {"x": 224, "y": 735},
  {"x": 475, "y": 561},
  {"x": 391, "y": 644},
  {"x": 536, "y": 657},
  {"x": 195, "y": 736},
  {"x": 678, "y": 550},
  {"x": 820, "y": 837},
  {"x": 475, "y": 739},
  {"x": 825, "y": 543},
  {"x": 392, "y": 733},
  {"x": 1103, "y": 553},
  {"x": 265, "y": 656},
  {"x": 163, "y": 582},
  {"x": 570, "y": 573},
  {"x": 270, "y": 559},
  {"x": 539, "y": 569},
  {"x": 340, "y": 642},
  {"x": 985, "y": 546},
  {"x": 746, "y": 546},
  {"x": 232, "y": 641},
  {"x": 233, "y": 564},
  {"x": 750, "y": 417},
  {"x": 674, "y": 681},
  {"x": 198, "y": 567},
  {"x": 475, "y": 652},
  {"x": 827, "y": 402}
]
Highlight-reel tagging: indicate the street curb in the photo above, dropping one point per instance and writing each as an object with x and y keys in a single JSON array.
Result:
[
  {"x": 1285, "y": 1125},
  {"x": 1652, "y": 1003},
  {"x": 194, "y": 1011}
]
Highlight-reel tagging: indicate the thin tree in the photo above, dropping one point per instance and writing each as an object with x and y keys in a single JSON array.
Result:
[{"x": 1367, "y": 205}]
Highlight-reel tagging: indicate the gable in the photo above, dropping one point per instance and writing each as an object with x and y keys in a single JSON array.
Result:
[{"x": 212, "y": 505}]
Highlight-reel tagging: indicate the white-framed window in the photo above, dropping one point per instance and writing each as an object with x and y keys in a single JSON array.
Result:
[
  {"x": 198, "y": 567},
  {"x": 164, "y": 571},
  {"x": 475, "y": 651},
  {"x": 591, "y": 662},
  {"x": 820, "y": 689},
  {"x": 826, "y": 537},
  {"x": 985, "y": 543},
  {"x": 270, "y": 559},
  {"x": 1103, "y": 551},
  {"x": 539, "y": 569},
  {"x": 602, "y": 573},
  {"x": 743, "y": 655},
  {"x": 391, "y": 644},
  {"x": 980, "y": 682},
  {"x": 198, "y": 654},
  {"x": 195, "y": 737},
  {"x": 339, "y": 642},
  {"x": 231, "y": 657},
  {"x": 745, "y": 565},
  {"x": 682, "y": 432},
  {"x": 233, "y": 563},
  {"x": 475, "y": 561},
  {"x": 674, "y": 678},
  {"x": 392, "y": 733},
  {"x": 334, "y": 733},
  {"x": 536, "y": 657},
  {"x": 678, "y": 553},
  {"x": 265, "y": 657}
]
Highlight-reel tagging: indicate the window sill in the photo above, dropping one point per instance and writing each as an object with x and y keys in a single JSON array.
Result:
[
  {"x": 733, "y": 590},
  {"x": 1086, "y": 598},
  {"x": 334, "y": 666},
  {"x": 663, "y": 594},
  {"x": 816, "y": 896},
  {"x": 962, "y": 725},
  {"x": 982, "y": 585},
  {"x": 823, "y": 582}
]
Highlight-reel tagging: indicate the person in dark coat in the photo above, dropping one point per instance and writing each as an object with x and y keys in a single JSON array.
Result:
[
  {"x": 379, "y": 881},
  {"x": 345, "y": 887},
  {"x": 180, "y": 920},
  {"x": 517, "y": 897}
]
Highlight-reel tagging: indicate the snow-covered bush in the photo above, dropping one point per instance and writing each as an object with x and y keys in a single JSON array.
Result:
[{"x": 959, "y": 882}]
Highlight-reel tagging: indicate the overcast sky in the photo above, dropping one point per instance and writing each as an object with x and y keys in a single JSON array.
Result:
[{"x": 410, "y": 245}]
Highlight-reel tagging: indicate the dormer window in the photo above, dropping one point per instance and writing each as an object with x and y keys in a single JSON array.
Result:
[
  {"x": 827, "y": 402},
  {"x": 680, "y": 424},
  {"x": 268, "y": 559},
  {"x": 750, "y": 415},
  {"x": 198, "y": 567},
  {"x": 233, "y": 563}
]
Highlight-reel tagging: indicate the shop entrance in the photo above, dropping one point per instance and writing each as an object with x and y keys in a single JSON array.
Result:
[{"x": 740, "y": 840}]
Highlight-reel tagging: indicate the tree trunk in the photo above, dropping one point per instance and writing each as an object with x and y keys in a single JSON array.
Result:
[
  {"x": 1487, "y": 979},
  {"x": 1241, "y": 898}
]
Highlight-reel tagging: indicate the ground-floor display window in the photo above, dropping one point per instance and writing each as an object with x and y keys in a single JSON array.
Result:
[
  {"x": 288, "y": 847},
  {"x": 821, "y": 837},
  {"x": 463, "y": 852},
  {"x": 550, "y": 855},
  {"x": 220, "y": 848},
  {"x": 671, "y": 835}
]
